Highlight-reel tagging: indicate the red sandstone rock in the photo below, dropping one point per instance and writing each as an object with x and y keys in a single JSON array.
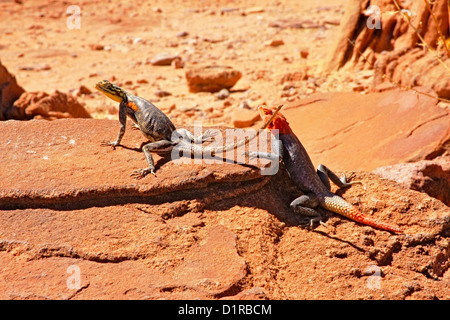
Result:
[
  {"x": 378, "y": 129},
  {"x": 393, "y": 47},
  {"x": 75, "y": 225},
  {"x": 10, "y": 91},
  {"x": 40, "y": 105},
  {"x": 429, "y": 176},
  {"x": 211, "y": 78}
]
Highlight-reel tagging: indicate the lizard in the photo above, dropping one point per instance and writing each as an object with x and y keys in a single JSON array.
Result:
[
  {"x": 159, "y": 129},
  {"x": 314, "y": 184}
]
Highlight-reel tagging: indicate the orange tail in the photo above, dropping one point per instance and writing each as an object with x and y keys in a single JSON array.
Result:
[{"x": 338, "y": 205}]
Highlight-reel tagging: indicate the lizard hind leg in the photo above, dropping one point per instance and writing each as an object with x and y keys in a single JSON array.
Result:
[
  {"x": 325, "y": 175},
  {"x": 160, "y": 147},
  {"x": 307, "y": 205}
]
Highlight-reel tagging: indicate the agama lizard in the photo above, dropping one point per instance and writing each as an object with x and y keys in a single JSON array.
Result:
[
  {"x": 315, "y": 185},
  {"x": 159, "y": 129}
]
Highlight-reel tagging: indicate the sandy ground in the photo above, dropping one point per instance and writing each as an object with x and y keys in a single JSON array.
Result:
[{"x": 117, "y": 40}]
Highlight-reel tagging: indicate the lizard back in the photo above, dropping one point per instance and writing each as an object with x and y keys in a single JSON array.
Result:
[{"x": 154, "y": 124}]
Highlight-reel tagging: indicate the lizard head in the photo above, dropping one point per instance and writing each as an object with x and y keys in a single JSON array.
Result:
[
  {"x": 110, "y": 90},
  {"x": 278, "y": 123}
]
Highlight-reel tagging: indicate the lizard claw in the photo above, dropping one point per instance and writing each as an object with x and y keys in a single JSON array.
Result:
[
  {"x": 107, "y": 143},
  {"x": 207, "y": 136},
  {"x": 141, "y": 173},
  {"x": 348, "y": 183}
]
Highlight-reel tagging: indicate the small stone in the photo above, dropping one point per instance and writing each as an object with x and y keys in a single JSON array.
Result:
[
  {"x": 177, "y": 63},
  {"x": 275, "y": 43},
  {"x": 242, "y": 117},
  {"x": 96, "y": 46},
  {"x": 163, "y": 59},
  {"x": 162, "y": 93},
  {"x": 211, "y": 78},
  {"x": 359, "y": 88},
  {"x": 227, "y": 103},
  {"x": 182, "y": 34},
  {"x": 304, "y": 53},
  {"x": 223, "y": 94},
  {"x": 82, "y": 90},
  {"x": 244, "y": 105}
]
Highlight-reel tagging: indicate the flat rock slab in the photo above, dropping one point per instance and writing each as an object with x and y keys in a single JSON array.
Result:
[
  {"x": 377, "y": 129},
  {"x": 211, "y": 268},
  {"x": 75, "y": 225},
  {"x": 62, "y": 162}
]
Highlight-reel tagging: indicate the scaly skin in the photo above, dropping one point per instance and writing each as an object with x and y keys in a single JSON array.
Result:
[
  {"x": 314, "y": 184},
  {"x": 160, "y": 130}
]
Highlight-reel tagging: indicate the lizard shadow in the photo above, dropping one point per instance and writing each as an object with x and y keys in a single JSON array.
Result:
[
  {"x": 281, "y": 186},
  {"x": 163, "y": 159}
]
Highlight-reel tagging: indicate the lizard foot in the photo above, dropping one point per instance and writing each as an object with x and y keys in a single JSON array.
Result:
[
  {"x": 107, "y": 143},
  {"x": 262, "y": 155},
  {"x": 141, "y": 173},
  {"x": 208, "y": 136},
  {"x": 346, "y": 181},
  {"x": 313, "y": 221}
]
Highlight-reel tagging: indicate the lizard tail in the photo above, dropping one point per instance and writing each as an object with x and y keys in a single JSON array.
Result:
[
  {"x": 215, "y": 150},
  {"x": 338, "y": 205}
]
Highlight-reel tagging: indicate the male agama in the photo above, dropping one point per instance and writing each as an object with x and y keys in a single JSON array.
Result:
[
  {"x": 160, "y": 130},
  {"x": 314, "y": 184}
]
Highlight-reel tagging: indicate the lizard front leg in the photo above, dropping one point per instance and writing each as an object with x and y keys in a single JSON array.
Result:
[
  {"x": 123, "y": 123},
  {"x": 307, "y": 205},
  {"x": 275, "y": 155},
  {"x": 160, "y": 147},
  {"x": 325, "y": 175}
]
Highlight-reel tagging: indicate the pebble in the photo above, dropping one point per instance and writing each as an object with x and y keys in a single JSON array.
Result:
[
  {"x": 244, "y": 105},
  {"x": 83, "y": 90},
  {"x": 275, "y": 43},
  {"x": 223, "y": 94},
  {"x": 96, "y": 46},
  {"x": 177, "y": 63},
  {"x": 182, "y": 34},
  {"x": 242, "y": 118},
  {"x": 304, "y": 53},
  {"x": 163, "y": 59},
  {"x": 162, "y": 93}
]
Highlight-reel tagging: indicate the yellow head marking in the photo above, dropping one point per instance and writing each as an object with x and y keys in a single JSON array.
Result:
[{"x": 110, "y": 90}]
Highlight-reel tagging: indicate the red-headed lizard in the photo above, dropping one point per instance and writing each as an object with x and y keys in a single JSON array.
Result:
[{"x": 314, "y": 184}]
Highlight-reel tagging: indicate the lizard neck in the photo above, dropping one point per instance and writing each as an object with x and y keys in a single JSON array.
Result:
[
  {"x": 300, "y": 167},
  {"x": 114, "y": 93}
]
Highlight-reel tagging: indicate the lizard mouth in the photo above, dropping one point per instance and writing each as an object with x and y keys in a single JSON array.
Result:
[{"x": 109, "y": 93}]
